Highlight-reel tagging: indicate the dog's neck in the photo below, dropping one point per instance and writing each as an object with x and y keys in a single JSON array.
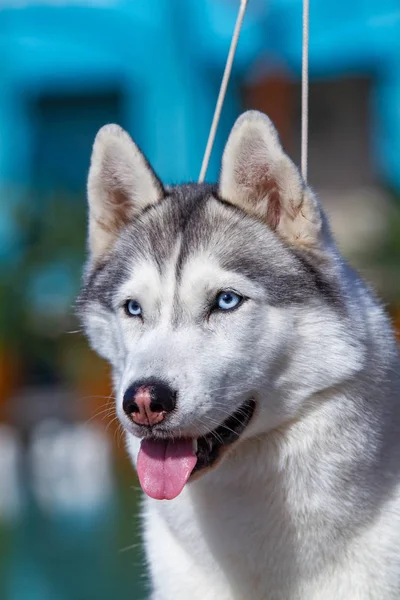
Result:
[{"x": 303, "y": 465}]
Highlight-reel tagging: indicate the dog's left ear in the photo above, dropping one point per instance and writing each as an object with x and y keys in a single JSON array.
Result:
[{"x": 259, "y": 177}]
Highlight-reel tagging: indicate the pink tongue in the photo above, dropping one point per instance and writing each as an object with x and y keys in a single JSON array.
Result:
[{"x": 165, "y": 466}]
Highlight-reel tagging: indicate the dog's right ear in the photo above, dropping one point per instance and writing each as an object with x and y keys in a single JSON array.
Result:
[{"x": 121, "y": 184}]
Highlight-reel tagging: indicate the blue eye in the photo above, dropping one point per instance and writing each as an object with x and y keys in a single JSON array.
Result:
[
  {"x": 228, "y": 300},
  {"x": 133, "y": 308}
]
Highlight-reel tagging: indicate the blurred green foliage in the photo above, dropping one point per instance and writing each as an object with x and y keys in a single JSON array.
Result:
[
  {"x": 38, "y": 288},
  {"x": 384, "y": 260}
]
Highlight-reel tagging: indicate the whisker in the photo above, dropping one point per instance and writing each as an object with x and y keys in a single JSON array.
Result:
[
  {"x": 111, "y": 397},
  {"x": 105, "y": 412},
  {"x": 131, "y": 547}
]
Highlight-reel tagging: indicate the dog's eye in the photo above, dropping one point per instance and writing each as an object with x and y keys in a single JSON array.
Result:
[
  {"x": 228, "y": 300},
  {"x": 133, "y": 308}
]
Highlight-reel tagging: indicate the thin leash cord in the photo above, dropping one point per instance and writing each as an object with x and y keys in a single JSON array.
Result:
[
  {"x": 225, "y": 81},
  {"x": 304, "y": 90},
  {"x": 223, "y": 88}
]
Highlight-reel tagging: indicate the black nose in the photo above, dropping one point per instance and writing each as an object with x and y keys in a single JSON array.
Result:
[{"x": 149, "y": 395}]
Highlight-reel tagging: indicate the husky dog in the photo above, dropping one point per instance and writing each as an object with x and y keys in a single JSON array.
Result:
[{"x": 256, "y": 377}]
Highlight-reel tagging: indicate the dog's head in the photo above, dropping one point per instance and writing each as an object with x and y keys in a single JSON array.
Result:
[{"x": 219, "y": 307}]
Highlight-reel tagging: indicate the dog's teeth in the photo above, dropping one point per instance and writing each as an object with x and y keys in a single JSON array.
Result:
[{"x": 195, "y": 446}]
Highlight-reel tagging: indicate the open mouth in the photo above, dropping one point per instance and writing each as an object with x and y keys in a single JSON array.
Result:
[
  {"x": 165, "y": 465},
  {"x": 210, "y": 445}
]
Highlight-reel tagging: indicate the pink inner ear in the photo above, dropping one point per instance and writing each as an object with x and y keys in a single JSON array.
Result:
[
  {"x": 263, "y": 185},
  {"x": 252, "y": 175},
  {"x": 274, "y": 208}
]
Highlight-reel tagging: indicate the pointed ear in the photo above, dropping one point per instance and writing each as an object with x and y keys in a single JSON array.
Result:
[
  {"x": 261, "y": 179},
  {"x": 121, "y": 184}
]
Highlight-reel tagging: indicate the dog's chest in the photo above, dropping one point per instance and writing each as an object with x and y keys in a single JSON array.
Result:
[
  {"x": 239, "y": 545},
  {"x": 251, "y": 543}
]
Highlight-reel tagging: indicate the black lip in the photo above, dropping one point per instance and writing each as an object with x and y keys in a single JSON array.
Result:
[{"x": 227, "y": 433}]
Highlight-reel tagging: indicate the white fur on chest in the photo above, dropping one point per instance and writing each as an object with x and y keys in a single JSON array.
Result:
[{"x": 248, "y": 541}]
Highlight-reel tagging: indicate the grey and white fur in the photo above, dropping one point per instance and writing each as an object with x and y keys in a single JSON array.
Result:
[{"x": 305, "y": 505}]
